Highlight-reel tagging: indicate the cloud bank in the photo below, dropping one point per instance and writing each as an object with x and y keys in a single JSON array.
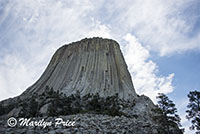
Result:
[
  {"x": 168, "y": 27},
  {"x": 144, "y": 71}
]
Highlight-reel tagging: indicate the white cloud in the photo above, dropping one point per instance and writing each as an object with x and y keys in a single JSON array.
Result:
[
  {"x": 144, "y": 71},
  {"x": 166, "y": 26},
  {"x": 15, "y": 76},
  {"x": 100, "y": 30}
]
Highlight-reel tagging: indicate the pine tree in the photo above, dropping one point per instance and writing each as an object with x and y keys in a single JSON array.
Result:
[
  {"x": 194, "y": 110},
  {"x": 168, "y": 110}
]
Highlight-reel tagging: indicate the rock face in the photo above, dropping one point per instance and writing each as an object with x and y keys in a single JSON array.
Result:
[{"x": 89, "y": 66}]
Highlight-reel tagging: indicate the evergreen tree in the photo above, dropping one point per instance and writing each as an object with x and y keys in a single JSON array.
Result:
[
  {"x": 168, "y": 110},
  {"x": 194, "y": 110}
]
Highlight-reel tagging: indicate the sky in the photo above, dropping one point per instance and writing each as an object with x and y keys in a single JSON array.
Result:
[{"x": 160, "y": 41}]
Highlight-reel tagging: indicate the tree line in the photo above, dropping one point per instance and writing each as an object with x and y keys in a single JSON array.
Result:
[
  {"x": 60, "y": 104},
  {"x": 168, "y": 109}
]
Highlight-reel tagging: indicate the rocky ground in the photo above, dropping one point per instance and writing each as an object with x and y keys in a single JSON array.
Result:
[
  {"x": 86, "y": 124},
  {"x": 92, "y": 115}
]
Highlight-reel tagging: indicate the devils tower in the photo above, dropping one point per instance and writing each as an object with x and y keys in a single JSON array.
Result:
[
  {"x": 89, "y": 66},
  {"x": 86, "y": 81}
]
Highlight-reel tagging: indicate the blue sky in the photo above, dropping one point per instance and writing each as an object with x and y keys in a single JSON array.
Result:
[{"x": 160, "y": 41}]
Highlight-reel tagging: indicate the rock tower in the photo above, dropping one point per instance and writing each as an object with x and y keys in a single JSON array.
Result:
[{"x": 88, "y": 66}]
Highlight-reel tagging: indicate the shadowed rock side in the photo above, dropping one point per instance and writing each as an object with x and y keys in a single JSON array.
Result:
[{"x": 89, "y": 66}]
